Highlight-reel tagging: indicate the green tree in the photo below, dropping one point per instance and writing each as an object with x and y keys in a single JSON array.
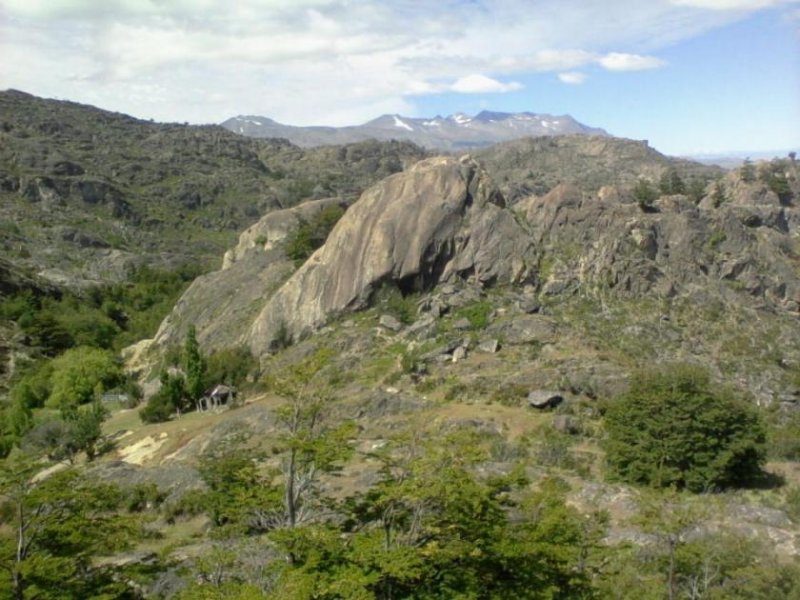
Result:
[
  {"x": 78, "y": 430},
  {"x": 747, "y": 172},
  {"x": 697, "y": 189},
  {"x": 55, "y": 525},
  {"x": 430, "y": 528},
  {"x": 81, "y": 372},
  {"x": 241, "y": 497},
  {"x": 85, "y": 429},
  {"x": 312, "y": 234},
  {"x": 194, "y": 364},
  {"x": 309, "y": 444},
  {"x": 773, "y": 174},
  {"x": 674, "y": 428},
  {"x": 169, "y": 399},
  {"x": 718, "y": 194},
  {"x": 231, "y": 366},
  {"x": 644, "y": 193},
  {"x": 671, "y": 183}
]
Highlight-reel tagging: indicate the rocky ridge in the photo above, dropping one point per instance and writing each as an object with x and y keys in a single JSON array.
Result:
[{"x": 663, "y": 277}]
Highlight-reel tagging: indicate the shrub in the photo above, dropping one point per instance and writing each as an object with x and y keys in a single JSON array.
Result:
[
  {"x": 80, "y": 373},
  {"x": 230, "y": 366},
  {"x": 390, "y": 299},
  {"x": 312, "y": 234},
  {"x": 673, "y": 428},
  {"x": 170, "y": 398},
  {"x": 645, "y": 194},
  {"x": 477, "y": 314}
]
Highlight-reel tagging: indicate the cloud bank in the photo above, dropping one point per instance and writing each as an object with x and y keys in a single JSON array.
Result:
[{"x": 327, "y": 61}]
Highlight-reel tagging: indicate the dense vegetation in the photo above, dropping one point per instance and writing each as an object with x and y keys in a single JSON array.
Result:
[
  {"x": 433, "y": 523},
  {"x": 675, "y": 428},
  {"x": 70, "y": 342}
]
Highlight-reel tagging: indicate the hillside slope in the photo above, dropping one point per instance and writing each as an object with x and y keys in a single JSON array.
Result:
[{"x": 88, "y": 194}]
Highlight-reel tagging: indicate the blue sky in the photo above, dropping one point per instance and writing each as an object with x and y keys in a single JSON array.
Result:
[
  {"x": 733, "y": 89},
  {"x": 691, "y": 76}
]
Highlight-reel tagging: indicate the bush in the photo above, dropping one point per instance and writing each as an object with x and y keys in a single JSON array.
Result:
[
  {"x": 477, "y": 314},
  {"x": 157, "y": 410},
  {"x": 80, "y": 373},
  {"x": 390, "y": 299},
  {"x": 645, "y": 194},
  {"x": 312, "y": 234},
  {"x": 170, "y": 398},
  {"x": 230, "y": 366},
  {"x": 673, "y": 428}
]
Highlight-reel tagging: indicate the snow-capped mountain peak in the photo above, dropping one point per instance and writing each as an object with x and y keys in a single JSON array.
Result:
[{"x": 456, "y": 131}]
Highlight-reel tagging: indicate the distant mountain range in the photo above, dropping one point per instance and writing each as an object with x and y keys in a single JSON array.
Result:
[{"x": 446, "y": 133}]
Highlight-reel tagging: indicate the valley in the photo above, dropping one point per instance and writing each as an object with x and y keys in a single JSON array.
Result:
[{"x": 437, "y": 358}]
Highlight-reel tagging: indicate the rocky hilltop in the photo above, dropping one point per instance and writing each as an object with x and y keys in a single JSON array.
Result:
[
  {"x": 534, "y": 166},
  {"x": 454, "y": 132},
  {"x": 684, "y": 268},
  {"x": 442, "y": 220}
]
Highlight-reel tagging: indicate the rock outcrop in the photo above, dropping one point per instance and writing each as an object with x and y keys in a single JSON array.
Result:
[
  {"x": 603, "y": 243},
  {"x": 442, "y": 219},
  {"x": 223, "y": 304}
]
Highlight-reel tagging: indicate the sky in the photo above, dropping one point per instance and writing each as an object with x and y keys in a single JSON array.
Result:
[{"x": 690, "y": 76}]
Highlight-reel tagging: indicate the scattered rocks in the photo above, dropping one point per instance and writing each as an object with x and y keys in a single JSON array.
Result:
[
  {"x": 525, "y": 329},
  {"x": 390, "y": 323},
  {"x": 489, "y": 346},
  {"x": 423, "y": 327},
  {"x": 459, "y": 353},
  {"x": 566, "y": 424},
  {"x": 445, "y": 350}
]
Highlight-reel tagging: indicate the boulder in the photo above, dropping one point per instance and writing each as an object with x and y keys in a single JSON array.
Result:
[
  {"x": 441, "y": 220},
  {"x": 459, "y": 353},
  {"x": 525, "y": 329},
  {"x": 390, "y": 323},
  {"x": 543, "y": 399},
  {"x": 423, "y": 327},
  {"x": 529, "y": 305},
  {"x": 489, "y": 346},
  {"x": 567, "y": 424}
]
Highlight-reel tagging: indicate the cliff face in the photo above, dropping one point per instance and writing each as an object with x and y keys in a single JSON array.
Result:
[
  {"x": 744, "y": 248},
  {"x": 442, "y": 219}
]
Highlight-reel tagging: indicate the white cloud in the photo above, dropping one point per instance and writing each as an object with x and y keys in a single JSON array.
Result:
[
  {"x": 730, "y": 4},
  {"x": 480, "y": 84},
  {"x": 324, "y": 61},
  {"x": 572, "y": 77},
  {"x": 619, "y": 61}
]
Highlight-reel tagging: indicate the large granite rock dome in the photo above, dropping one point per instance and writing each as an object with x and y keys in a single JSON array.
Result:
[{"x": 441, "y": 219}]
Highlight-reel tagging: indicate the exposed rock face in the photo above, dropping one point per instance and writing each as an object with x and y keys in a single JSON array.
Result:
[
  {"x": 273, "y": 228},
  {"x": 441, "y": 219},
  {"x": 604, "y": 243}
]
